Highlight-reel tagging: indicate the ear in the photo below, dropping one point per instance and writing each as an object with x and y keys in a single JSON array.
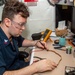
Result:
[{"x": 7, "y": 22}]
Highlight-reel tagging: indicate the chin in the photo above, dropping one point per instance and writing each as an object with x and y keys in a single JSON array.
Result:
[{"x": 17, "y": 35}]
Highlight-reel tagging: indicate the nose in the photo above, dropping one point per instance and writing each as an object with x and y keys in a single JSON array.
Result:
[{"x": 23, "y": 27}]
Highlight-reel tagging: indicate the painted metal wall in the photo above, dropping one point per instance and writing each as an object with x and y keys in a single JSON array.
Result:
[{"x": 41, "y": 17}]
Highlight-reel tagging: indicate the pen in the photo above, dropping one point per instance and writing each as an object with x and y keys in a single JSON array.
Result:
[{"x": 43, "y": 45}]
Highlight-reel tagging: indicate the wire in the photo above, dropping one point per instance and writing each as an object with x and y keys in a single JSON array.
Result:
[
  {"x": 48, "y": 51},
  {"x": 26, "y": 48}
]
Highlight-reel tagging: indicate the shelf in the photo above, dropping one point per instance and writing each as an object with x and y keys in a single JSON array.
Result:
[{"x": 65, "y": 2}]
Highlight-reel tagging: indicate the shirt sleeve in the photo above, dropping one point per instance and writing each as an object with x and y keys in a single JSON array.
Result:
[
  {"x": 2, "y": 64},
  {"x": 20, "y": 39}
]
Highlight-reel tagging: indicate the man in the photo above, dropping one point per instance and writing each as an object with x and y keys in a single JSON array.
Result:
[{"x": 14, "y": 17}]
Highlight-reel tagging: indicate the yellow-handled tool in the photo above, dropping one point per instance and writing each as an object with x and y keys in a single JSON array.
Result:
[{"x": 46, "y": 35}]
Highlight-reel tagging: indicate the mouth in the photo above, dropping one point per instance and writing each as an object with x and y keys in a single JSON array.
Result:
[{"x": 20, "y": 32}]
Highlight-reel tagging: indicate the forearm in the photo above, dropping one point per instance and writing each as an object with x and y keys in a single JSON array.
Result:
[
  {"x": 28, "y": 43},
  {"x": 37, "y": 43},
  {"x": 24, "y": 71}
]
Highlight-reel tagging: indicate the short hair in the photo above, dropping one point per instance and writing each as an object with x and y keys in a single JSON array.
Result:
[{"x": 14, "y": 7}]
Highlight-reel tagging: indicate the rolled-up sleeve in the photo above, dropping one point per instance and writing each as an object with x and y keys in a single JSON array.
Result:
[{"x": 20, "y": 40}]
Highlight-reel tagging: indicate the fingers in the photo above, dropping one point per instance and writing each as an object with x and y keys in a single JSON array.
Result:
[
  {"x": 45, "y": 65},
  {"x": 54, "y": 64},
  {"x": 51, "y": 64},
  {"x": 43, "y": 44}
]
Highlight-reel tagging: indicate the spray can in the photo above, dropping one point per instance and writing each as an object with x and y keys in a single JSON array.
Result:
[{"x": 69, "y": 49}]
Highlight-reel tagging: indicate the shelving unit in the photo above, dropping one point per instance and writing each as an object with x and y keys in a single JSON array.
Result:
[{"x": 63, "y": 12}]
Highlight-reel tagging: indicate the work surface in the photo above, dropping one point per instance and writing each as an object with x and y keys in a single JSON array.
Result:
[{"x": 67, "y": 59}]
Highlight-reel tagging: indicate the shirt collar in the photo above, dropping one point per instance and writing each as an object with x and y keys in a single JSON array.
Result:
[{"x": 4, "y": 38}]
